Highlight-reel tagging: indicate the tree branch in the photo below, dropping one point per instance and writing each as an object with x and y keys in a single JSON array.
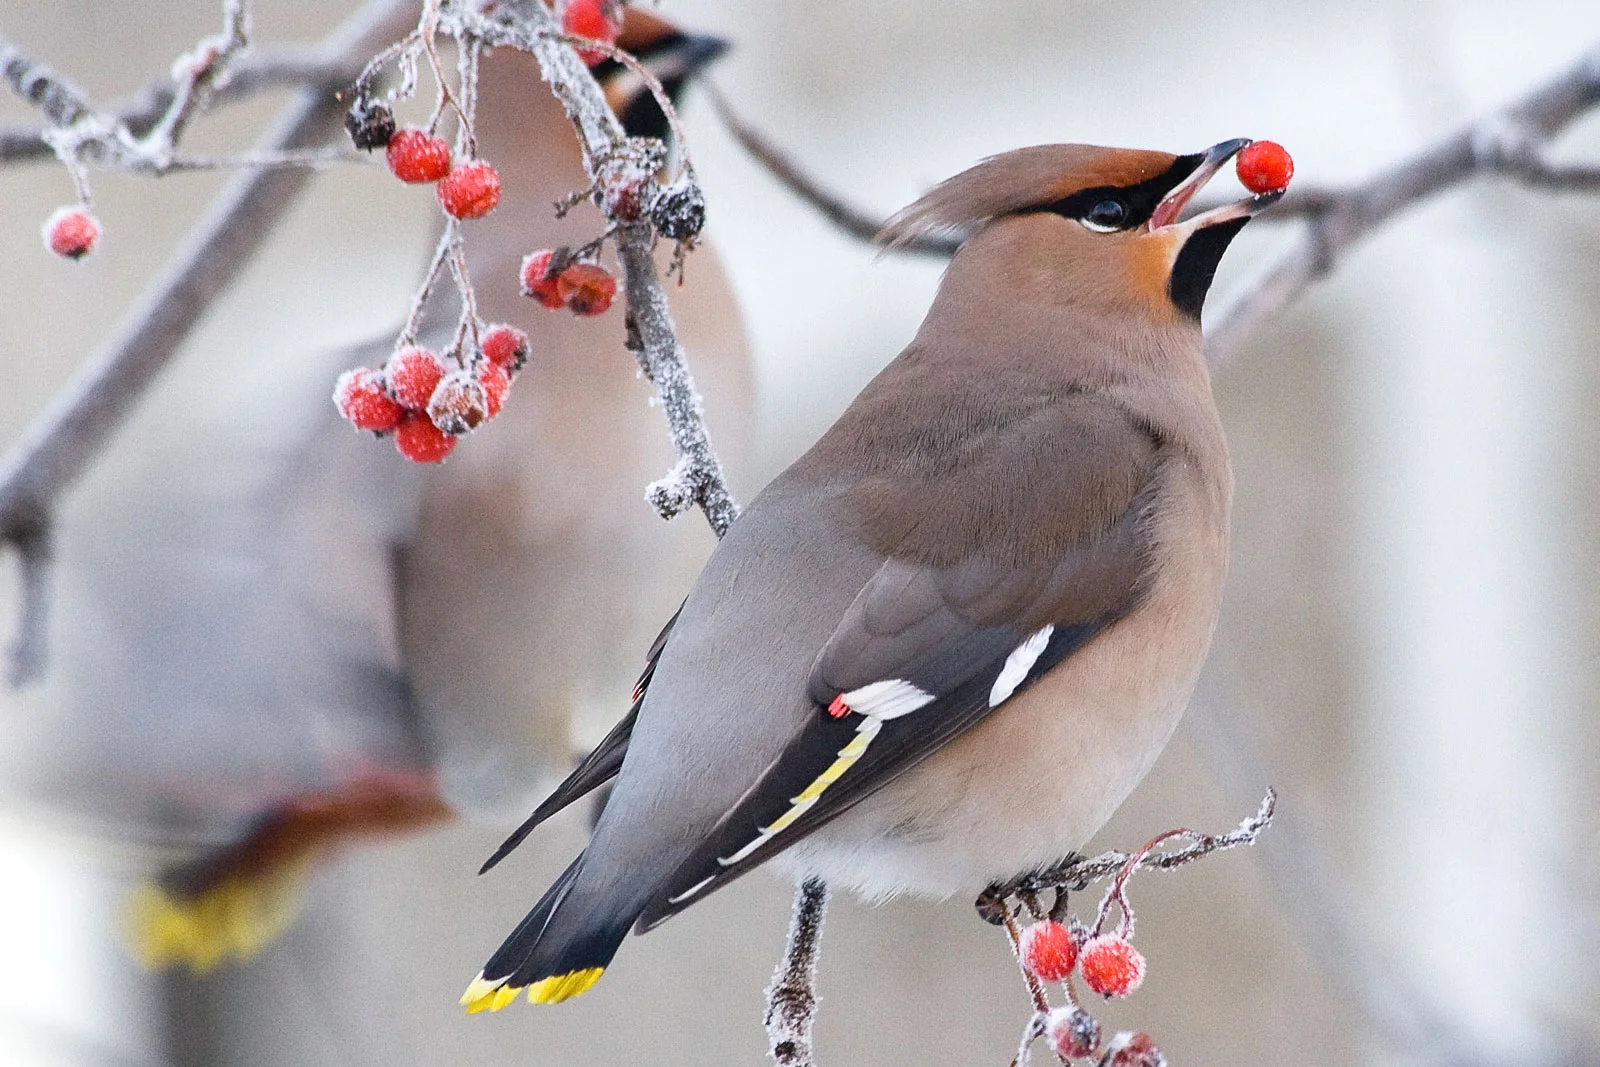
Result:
[
  {"x": 697, "y": 479},
  {"x": 792, "y": 996},
  {"x": 59, "y": 446}
]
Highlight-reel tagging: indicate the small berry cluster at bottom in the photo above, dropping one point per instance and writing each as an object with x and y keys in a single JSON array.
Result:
[{"x": 425, "y": 401}]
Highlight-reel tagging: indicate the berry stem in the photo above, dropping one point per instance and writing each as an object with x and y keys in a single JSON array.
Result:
[{"x": 1041, "y": 1003}]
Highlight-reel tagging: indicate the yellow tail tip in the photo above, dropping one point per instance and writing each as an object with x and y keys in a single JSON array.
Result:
[
  {"x": 484, "y": 995},
  {"x": 233, "y": 920}
]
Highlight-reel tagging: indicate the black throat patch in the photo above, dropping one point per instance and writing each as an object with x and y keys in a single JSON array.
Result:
[{"x": 1196, "y": 265}]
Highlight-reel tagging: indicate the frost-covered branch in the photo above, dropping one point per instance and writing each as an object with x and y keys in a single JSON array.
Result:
[
  {"x": 697, "y": 479},
  {"x": 792, "y": 996},
  {"x": 59, "y": 446}
]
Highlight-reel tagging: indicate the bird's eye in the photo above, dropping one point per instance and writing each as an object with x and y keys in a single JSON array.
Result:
[{"x": 1106, "y": 216}]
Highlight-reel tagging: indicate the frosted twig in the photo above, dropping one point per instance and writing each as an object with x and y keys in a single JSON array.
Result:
[
  {"x": 530, "y": 26},
  {"x": 792, "y": 996},
  {"x": 61, "y": 443},
  {"x": 195, "y": 74},
  {"x": 1076, "y": 873}
]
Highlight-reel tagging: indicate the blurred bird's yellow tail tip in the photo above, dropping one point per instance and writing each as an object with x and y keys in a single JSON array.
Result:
[
  {"x": 234, "y": 919},
  {"x": 484, "y": 995}
]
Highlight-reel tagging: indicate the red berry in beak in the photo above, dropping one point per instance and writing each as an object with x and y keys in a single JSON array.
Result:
[{"x": 1264, "y": 166}]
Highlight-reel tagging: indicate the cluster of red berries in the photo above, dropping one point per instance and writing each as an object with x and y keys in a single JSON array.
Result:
[
  {"x": 425, "y": 402},
  {"x": 71, "y": 232},
  {"x": 598, "y": 20},
  {"x": 467, "y": 189},
  {"x": 1109, "y": 964},
  {"x": 1264, "y": 167},
  {"x": 556, "y": 279}
]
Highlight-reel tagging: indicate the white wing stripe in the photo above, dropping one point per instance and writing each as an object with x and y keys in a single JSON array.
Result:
[
  {"x": 888, "y": 699},
  {"x": 1018, "y": 664}
]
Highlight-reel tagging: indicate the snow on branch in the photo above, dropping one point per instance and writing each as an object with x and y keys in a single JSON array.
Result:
[{"x": 792, "y": 996}]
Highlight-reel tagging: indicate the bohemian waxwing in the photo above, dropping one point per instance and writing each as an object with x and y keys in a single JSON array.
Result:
[
  {"x": 941, "y": 647},
  {"x": 275, "y": 636}
]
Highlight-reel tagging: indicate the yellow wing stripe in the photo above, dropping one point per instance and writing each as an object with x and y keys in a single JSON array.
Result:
[{"x": 799, "y": 805}]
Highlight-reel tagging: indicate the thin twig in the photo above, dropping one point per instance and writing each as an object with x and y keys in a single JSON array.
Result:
[
  {"x": 59, "y": 446},
  {"x": 792, "y": 996},
  {"x": 854, "y": 221}
]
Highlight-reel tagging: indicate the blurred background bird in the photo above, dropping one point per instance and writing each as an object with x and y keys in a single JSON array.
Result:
[{"x": 273, "y": 637}]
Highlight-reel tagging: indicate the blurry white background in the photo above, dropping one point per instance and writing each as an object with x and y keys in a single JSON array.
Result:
[{"x": 1410, "y": 641}]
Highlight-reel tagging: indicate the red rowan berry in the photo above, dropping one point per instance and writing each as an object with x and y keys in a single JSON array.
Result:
[
  {"x": 1264, "y": 166},
  {"x": 496, "y": 383},
  {"x": 538, "y": 281},
  {"x": 413, "y": 374},
  {"x": 1132, "y": 1048},
  {"x": 586, "y": 288},
  {"x": 458, "y": 405},
  {"x": 71, "y": 232},
  {"x": 360, "y": 397},
  {"x": 599, "y": 20},
  {"x": 420, "y": 441},
  {"x": 1111, "y": 966},
  {"x": 506, "y": 346},
  {"x": 1072, "y": 1032},
  {"x": 417, "y": 156},
  {"x": 1048, "y": 950},
  {"x": 469, "y": 191}
]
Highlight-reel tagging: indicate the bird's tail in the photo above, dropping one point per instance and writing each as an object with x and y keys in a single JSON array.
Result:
[
  {"x": 557, "y": 952},
  {"x": 229, "y": 901}
]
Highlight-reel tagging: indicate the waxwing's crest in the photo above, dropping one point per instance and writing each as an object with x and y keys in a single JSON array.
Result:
[{"x": 1018, "y": 180}]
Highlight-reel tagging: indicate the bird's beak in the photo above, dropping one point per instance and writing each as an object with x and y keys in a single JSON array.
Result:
[{"x": 1213, "y": 159}]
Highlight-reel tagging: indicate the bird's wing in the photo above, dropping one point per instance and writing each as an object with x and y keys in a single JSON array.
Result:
[
  {"x": 599, "y": 766},
  {"x": 944, "y": 633}
]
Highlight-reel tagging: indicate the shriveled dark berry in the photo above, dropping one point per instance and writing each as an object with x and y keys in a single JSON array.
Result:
[{"x": 370, "y": 123}]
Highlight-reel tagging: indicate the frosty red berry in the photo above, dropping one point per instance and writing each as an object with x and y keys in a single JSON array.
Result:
[
  {"x": 598, "y": 20},
  {"x": 71, "y": 232},
  {"x": 506, "y": 346},
  {"x": 1072, "y": 1032},
  {"x": 1111, "y": 966},
  {"x": 413, "y": 374},
  {"x": 539, "y": 281},
  {"x": 1264, "y": 167},
  {"x": 417, "y": 156},
  {"x": 469, "y": 191},
  {"x": 586, "y": 288},
  {"x": 420, "y": 441},
  {"x": 361, "y": 397},
  {"x": 1048, "y": 950}
]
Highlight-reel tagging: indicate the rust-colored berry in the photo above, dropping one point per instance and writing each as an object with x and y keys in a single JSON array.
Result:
[
  {"x": 360, "y": 397},
  {"x": 586, "y": 288},
  {"x": 369, "y": 123},
  {"x": 1111, "y": 966},
  {"x": 1048, "y": 950},
  {"x": 1073, "y": 1033},
  {"x": 538, "y": 281},
  {"x": 1264, "y": 166},
  {"x": 458, "y": 405},
  {"x": 599, "y": 20},
  {"x": 71, "y": 232},
  {"x": 420, "y": 441},
  {"x": 417, "y": 156},
  {"x": 413, "y": 375},
  {"x": 506, "y": 346},
  {"x": 469, "y": 191},
  {"x": 496, "y": 383}
]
